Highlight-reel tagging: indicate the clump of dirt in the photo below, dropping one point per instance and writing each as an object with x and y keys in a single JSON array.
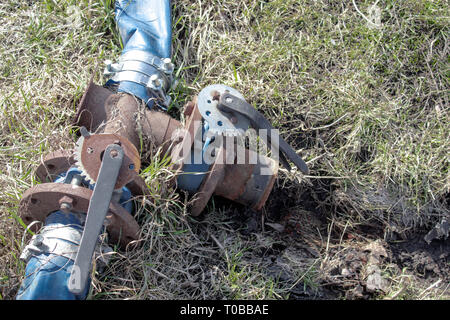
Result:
[
  {"x": 355, "y": 270},
  {"x": 355, "y": 263},
  {"x": 429, "y": 262}
]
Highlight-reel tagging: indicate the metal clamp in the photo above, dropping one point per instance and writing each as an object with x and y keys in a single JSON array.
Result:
[
  {"x": 57, "y": 239},
  {"x": 145, "y": 69}
]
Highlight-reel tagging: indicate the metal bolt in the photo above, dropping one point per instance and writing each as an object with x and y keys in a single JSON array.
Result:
[
  {"x": 25, "y": 255},
  {"x": 76, "y": 180},
  {"x": 107, "y": 71},
  {"x": 116, "y": 67},
  {"x": 114, "y": 153},
  {"x": 108, "y": 220},
  {"x": 167, "y": 100},
  {"x": 155, "y": 82},
  {"x": 111, "y": 68},
  {"x": 168, "y": 65},
  {"x": 66, "y": 204},
  {"x": 38, "y": 240},
  {"x": 65, "y": 207}
]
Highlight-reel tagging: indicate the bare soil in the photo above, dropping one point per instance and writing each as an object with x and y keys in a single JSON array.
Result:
[{"x": 302, "y": 227}]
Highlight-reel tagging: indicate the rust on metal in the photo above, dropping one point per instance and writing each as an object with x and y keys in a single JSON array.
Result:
[
  {"x": 53, "y": 165},
  {"x": 268, "y": 183},
  {"x": 236, "y": 175},
  {"x": 138, "y": 187},
  {"x": 209, "y": 184},
  {"x": 92, "y": 151},
  {"x": 41, "y": 200},
  {"x": 188, "y": 134},
  {"x": 100, "y": 110},
  {"x": 248, "y": 183},
  {"x": 159, "y": 127},
  {"x": 122, "y": 114},
  {"x": 258, "y": 187},
  {"x": 91, "y": 112},
  {"x": 121, "y": 117},
  {"x": 233, "y": 184},
  {"x": 66, "y": 204},
  {"x": 188, "y": 108}
]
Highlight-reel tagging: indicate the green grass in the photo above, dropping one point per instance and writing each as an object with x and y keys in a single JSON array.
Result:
[{"x": 366, "y": 107}]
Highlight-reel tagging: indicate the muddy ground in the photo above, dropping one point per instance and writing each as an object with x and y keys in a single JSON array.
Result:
[
  {"x": 366, "y": 106},
  {"x": 356, "y": 263}
]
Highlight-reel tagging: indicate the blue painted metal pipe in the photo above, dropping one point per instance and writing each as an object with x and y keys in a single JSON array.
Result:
[
  {"x": 50, "y": 254},
  {"x": 145, "y": 29},
  {"x": 144, "y": 26},
  {"x": 47, "y": 273}
]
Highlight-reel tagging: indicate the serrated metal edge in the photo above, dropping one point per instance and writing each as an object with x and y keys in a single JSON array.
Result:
[
  {"x": 79, "y": 163},
  {"x": 228, "y": 132}
]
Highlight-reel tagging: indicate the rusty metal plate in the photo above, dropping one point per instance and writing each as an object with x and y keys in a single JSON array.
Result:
[
  {"x": 53, "y": 165},
  {"x": 41, "y": 200},
  {"x": 91, "y": 151},
  {"x": 182, "y": 147},
  {"x": 138, "y": 187},
  {"x": 91, "y": 111},
  {"x": 267, "y": 181},
  {"x": 209, "y": 184},
  {"x": 186, "y": 140}
]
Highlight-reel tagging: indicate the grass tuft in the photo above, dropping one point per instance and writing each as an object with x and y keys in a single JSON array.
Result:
[{"x": 358, "y": 88}]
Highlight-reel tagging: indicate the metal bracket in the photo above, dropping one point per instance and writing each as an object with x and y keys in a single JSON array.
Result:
[
  {"x": 98, "y": 207},
  {"x": 146, "y": 69},
  {"x": 220, "y": 122},
  {"x": 232, "y": 104}
]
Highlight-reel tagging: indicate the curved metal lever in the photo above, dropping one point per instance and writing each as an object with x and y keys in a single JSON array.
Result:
[{"x": 231, "y": 103}]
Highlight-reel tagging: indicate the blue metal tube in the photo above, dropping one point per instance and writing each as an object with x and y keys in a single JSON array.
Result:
[
  {"x": 145, "y": 29},
  {"x": 47, "y": 273},
  {"x": 144, "y": 26},
  {"x": 50, "y": 255}
]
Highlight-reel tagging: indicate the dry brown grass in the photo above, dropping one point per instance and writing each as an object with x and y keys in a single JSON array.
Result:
[{"x": 366, "y": 107}]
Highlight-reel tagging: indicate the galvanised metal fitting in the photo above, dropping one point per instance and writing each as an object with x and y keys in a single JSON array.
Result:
[
  {"x": 100, "y": 110},
  {"x": 143, "y": 69},
  {"x": 155, "y": 83},
  {"x": 168, "y": 66}
]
